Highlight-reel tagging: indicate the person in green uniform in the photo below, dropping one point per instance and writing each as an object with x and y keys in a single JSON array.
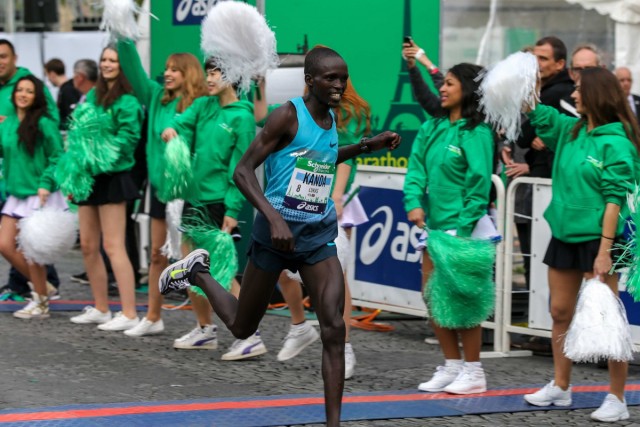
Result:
[
  {"x": 184, "y": 81},
  {"x": 447, "y": 188},
  {"x": 103, "y": 213},
  {"x": 219, "y": 128},
  {"x": 595, "y": 167},
  {"x": 30, "y": 145}
]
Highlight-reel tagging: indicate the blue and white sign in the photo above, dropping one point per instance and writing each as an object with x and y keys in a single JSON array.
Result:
[
  {"x": 385, "y": 269},
  {"x": 191, "y": 12}
]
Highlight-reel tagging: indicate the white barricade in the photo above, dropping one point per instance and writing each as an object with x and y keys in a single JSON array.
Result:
[
  {"x": 384, "y": 270},
  {"x": 539, "y": 322}
]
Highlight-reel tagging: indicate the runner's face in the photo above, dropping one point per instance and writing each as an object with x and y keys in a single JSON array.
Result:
[{"x": 330, "y": 81}]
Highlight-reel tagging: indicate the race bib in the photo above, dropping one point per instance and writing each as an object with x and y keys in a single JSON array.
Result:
[{"x": 310, "y": 186}]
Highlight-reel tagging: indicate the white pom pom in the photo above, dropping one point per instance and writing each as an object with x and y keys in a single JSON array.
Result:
[
  {"x": 47, "y": 235},
  {"x": 342, "y": 245},
  {"x": 241, "y": 41},
  {"x": 119, "y": 18},
  {"x": 599, "y": 329},
  {"x": 507, "y": 88},
  {"x": 171, "y": 247}
]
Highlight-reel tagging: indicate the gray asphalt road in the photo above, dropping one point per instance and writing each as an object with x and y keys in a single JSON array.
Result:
[{"x": 55, "y": 363}]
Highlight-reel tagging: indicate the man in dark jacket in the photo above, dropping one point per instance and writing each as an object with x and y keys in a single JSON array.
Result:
[{"x": 556, "y": 85}]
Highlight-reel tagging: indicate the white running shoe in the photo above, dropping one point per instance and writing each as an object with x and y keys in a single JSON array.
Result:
[
  {"x": 442, "y": 377},
  {"x": 200, "y": 338},
  {"x": 549, "y": 395},
  {"x": 298, "y": 338},
  {"x": 611, "y": 410},
  {"x": 119, "y": 323},
  {"x": 470, "y": 380},
  {"x": 146, "y": 327},
  {"x": 349, "y": 361},
  {"x": 91, "y": 315},
  {"x": 246, "y": 349},
  {"x": 38, "y": 308}
]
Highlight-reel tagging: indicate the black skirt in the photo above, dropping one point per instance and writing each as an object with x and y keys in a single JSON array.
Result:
[
  {"x": 576, "y": 256},
  {"x": 112, "y": 188}
]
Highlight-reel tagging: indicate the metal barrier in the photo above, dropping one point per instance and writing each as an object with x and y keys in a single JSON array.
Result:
[{"x": 507, "y": 299}]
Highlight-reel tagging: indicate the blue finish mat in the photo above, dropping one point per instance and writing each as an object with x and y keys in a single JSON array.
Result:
[{"x": 299, "y": 409}]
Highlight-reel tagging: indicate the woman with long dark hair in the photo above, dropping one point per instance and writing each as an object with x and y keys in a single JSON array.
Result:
[
  {"x": 595, "y": 167},
  {"x": 184, "y": 81},
  {"x": 103, "y": 213},
  {"x": 452, "y": 158},
  {"x": 30, "y": 145}
]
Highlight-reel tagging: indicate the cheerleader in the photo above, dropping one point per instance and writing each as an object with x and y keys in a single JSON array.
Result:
[
  {"x": 452, "y": 157},
  {"x": 102, "y": 215},
  {"x": 184, "y": 81},
  {"x": 30, "y": 144}
]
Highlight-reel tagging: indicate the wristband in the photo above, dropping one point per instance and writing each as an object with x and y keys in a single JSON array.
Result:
[
  {"x": 364, "y": 148},
  {"x": 608, "y": 238},
  {"x": 419, "y": 54},
  {"x": 433, "y": 69}
]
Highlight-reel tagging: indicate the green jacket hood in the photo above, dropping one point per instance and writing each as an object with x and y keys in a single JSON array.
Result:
[
  {"x": 20, "y": 73},
  {"x": 610, "y": 129},
  {"x": 240, "y": 105}
]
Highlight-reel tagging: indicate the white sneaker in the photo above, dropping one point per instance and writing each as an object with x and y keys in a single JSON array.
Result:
[
  {"x": 52, "y": 292},
  {"x": 119, "y": 323},
  {"x": 611, "y": 410},
  {"x": 298, "y": 338},
  {"x": 470, "y": 380},
  {"x": 146, "y": 327},
  {"x": 246, "y": 349},
  {"x": 200, "y": 338},
  {"x": 349, "y": 361},
  {"x": 38, "y": 308},
  {"x": 442, "y": 377},
  {"x": 91, "y": 315},
  {"x": 549, "y": 395}
]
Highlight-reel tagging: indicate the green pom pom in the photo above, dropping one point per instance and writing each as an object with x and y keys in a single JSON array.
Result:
[
  {"x": 92, "y": 138},
  {"x": 222, "y": 251},
  {"x": 460, "y": 291},
  {"x": 178, "y": 172},
  {"x": 72, "y": 178}
]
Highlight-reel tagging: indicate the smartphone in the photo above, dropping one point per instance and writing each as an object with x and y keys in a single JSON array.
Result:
[{"x": 408, "y": 39}]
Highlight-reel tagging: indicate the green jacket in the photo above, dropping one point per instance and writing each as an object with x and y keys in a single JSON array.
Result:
[
  {"x": 6, "y": 106},
  {"x": 126, "y": 114},
  {"x": 159, "y": 115},
  {"x": 24, "y": 173},
  {"x": 219, "y": 136},
  {"x": 596, "y": 168},
  {"x": 455, "y": 166}
]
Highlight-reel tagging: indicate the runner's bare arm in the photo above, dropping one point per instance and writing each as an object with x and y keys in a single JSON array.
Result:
[
  {"x": 278, "y": 131},
  {"x": 386, "y": 139}
]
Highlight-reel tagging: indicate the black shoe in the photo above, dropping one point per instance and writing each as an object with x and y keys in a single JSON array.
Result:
[{"x": 80, "y": 278}]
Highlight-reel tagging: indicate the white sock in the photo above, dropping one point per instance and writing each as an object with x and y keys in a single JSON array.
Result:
[
  {"x": 457, "y": 363},
  {"x": 473, "y": 366},
  {"x": 299, "y": 326},
  {"x": 348, "y": 345}
]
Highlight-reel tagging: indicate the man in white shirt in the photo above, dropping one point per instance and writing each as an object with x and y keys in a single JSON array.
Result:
[{"x": 626, "y": 81}]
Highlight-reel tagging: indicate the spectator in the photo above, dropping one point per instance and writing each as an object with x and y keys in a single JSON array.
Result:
[
  {"x": 85, "y": 76},
  {"x": 626, "y": 81},
  {"x": 68, "y": 95}
]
